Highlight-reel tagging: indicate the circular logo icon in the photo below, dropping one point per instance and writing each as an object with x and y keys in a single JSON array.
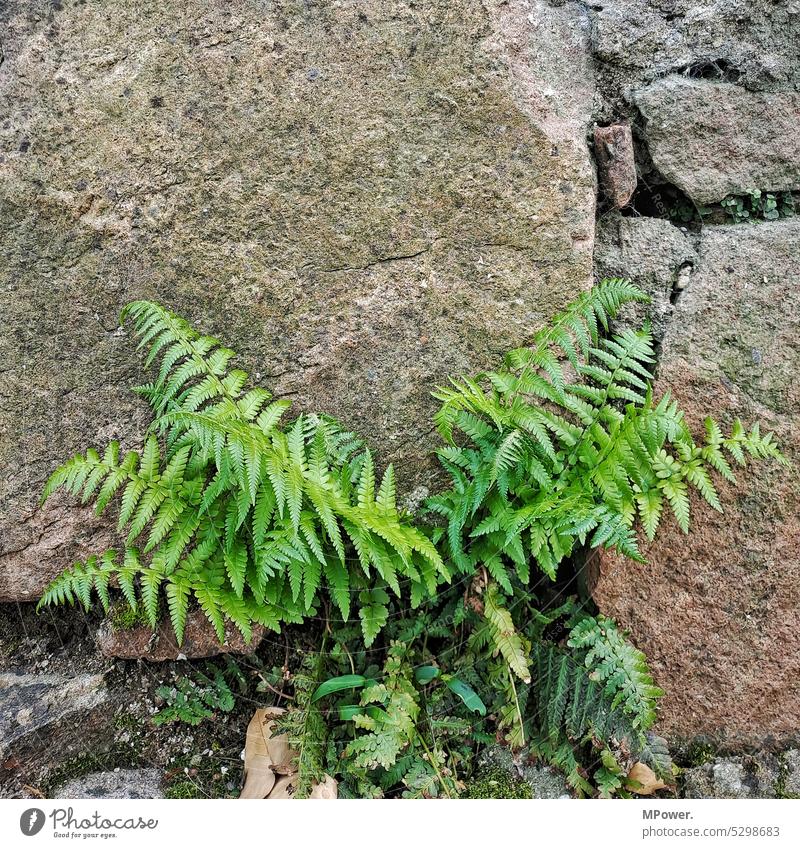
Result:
[{"x": 31, "y": 821}]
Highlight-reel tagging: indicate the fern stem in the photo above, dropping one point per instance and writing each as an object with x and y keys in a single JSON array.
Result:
[
  {"x": 432, "y": 761},
  {"x": 516, "y": 704}
]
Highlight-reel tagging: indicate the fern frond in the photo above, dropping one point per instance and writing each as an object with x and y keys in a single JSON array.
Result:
[
  {"x": 619, "y": 665},
  {"x": 573, "y": 705},
  {"x": 504, "y": 636}
]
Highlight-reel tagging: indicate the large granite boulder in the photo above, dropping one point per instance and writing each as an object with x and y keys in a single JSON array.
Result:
[
  {"x": 361, "y": 198},
  {"x": 717, "y": 611},
  {"x": 714, "y": 139}
]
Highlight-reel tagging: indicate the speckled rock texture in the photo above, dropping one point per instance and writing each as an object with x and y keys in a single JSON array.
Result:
[
  {"x": 651, "y": 252},
  {"x": 713, "y": 139},
  {"x": 717, "y": 611},
  {"x": 616, "y": 164},
  {"x": 48, "y": 718},
  {"x": 635, "y": 42},
  {"x": 760, "y": 776},
  {"x": 732, "y": 777},
  {"x": 362, "y": 198},
  {"x": 121, "y": 783}
]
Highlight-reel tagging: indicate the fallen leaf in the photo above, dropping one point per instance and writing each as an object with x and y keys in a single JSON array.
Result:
[
  {"x": 269, "y": 763},
  {"x": 259, "y": 778},
  {"x": 285, "y": 787},
  {"x": 328, "y": 790},
  {"x": 282, "y": 756},
  {"x": 643, "y": 781}
]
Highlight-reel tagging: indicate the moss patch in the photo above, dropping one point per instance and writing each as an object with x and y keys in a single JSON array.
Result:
[{"x": 496, "y": 783}]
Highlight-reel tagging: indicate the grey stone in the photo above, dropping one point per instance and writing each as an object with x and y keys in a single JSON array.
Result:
[
  {"x": 716, "y": 139},
  {"x": 413, "y": 208},
  {"x": 791, "y": 773},
  {"x": 653, "y": 254},
  {"x": 754, "y": 44},
  {"x": 47, "y": 719},
  {"x": 120, "y": 783},
  {"x": 544, "y": 781},
  {"x": 29, "y": 703},
  {"x": 613, "y": 150},
  {"x": 732, "y": 777}
]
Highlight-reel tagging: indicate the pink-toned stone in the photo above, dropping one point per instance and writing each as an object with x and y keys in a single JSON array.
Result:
[
  {"x": 199, "y": 640},
  {"x": 613, "y": 150},
  {"x": 46, "y": 542},
  {"x": 718, "y": 611}
]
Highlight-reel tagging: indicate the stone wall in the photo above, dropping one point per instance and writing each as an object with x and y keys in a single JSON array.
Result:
[{"x": 363, "y": 197}]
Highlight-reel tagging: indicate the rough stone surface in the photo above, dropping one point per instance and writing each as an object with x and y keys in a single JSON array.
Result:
[
  {"x": 50, "y": 539},
  {"x": 716, "y": 611},
  {"x": 48, "y": 718},
  {"x": 199, "y": 640},
  {"x": 360, "y": 198},
  {"x": 791, "y": 773},
  {"x": 120, "y": 783},
  {"x": 543, "y": 781},
  {"x": 653, "y": 254},
  {"x": 733, "y": 777},
  {"x": 715, "y": 139},
  {"x": 616, "y": 165},
  {"x": 638, "y": 41}
]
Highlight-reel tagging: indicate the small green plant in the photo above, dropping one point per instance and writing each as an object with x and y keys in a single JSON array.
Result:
[
  {"x": 470, "y": 671},
  {"x": 683, "y": 211},
  {"x": 192, "y": 699},
  {"x": 401, "y": 738},
  {"x": 758, "y": 205}
]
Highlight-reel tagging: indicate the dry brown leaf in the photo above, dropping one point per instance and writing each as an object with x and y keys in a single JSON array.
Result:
[
  {"x": 282, "y": 756},
  {"x": 269, "y": 762},
  {"x": 643, "y": 781},
  {"x": 285, "y": 787},
  {"x": 328, "y": 790},
  {"x": 259, "y": 778}
]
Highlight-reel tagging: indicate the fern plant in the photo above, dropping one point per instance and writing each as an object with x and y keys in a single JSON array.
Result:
[
  {"x": 223, "y": 506},
  {"x": 305, "y": 726},
  {"x": 254, "y": 519},
  {"x": 575, "y": 705},
  {"x": 566, "y": 445}
]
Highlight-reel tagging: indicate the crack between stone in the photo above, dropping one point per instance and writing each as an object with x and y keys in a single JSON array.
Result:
[
  {"x": 404, "y": 256},
  {"x": 382, "y": 261}
]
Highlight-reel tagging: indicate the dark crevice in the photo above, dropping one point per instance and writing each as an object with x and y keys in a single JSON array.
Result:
[
  {"x": 719, "y": 70},
  {"x": 681, "y": 282},
  {"x": 662, "y": 200}
]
